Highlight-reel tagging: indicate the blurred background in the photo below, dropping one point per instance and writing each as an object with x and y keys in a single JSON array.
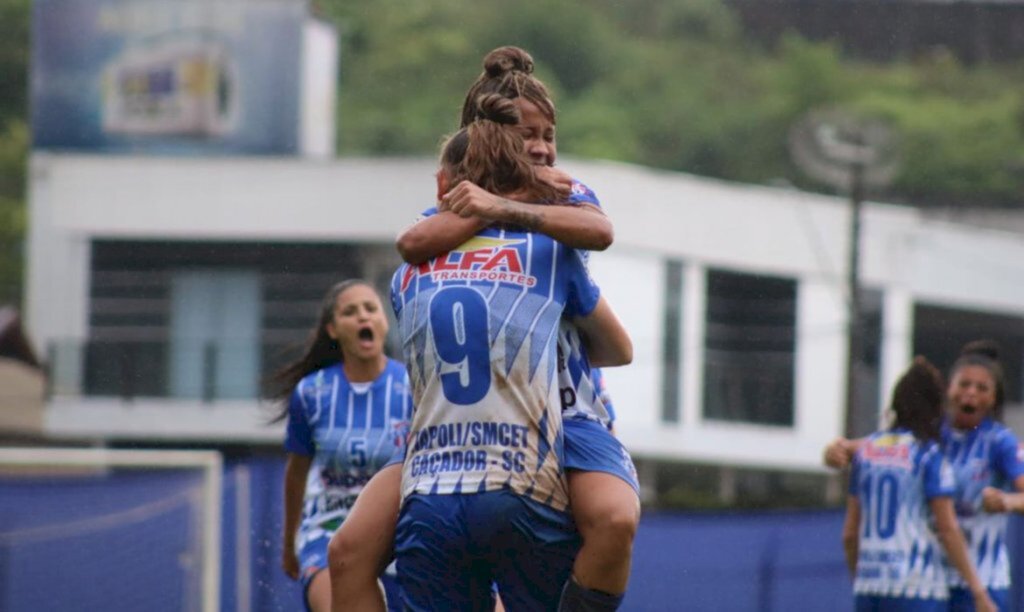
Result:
[{"x": 806, "y": 193}]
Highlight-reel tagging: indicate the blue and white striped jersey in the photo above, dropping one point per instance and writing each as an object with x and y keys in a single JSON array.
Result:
[
  {"x": 893, "y": 478},
  {"x": 479, "y": 328},
  {"x": 984, "y": 457},
  {"x": 602, "y": 390},
  {"x": 579, "y": 383},
  {"x": 351, "y": 430}
]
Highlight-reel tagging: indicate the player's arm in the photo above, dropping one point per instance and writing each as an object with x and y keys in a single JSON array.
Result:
[
  {"x": 436, "y": 234},
  {"x": 997, "y": 500},
  {"x": 1010, "y": 468},
  {"x": 952, "y": 540},
  {"x": 840, "y": 452},
  {"x": 606, "y": 340},
  {"x": 295, "y": 473},
  {"x": 851, "y": 533},
  {"x": 581, "y": 226}
]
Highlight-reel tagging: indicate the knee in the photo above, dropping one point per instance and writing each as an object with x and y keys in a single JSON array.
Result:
[
  {"x": 615, "y": 522},
  {"x": 340, "y": 552}
]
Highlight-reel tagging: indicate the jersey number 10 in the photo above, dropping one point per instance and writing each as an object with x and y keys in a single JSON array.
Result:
[{"x": 880, "y": 497}]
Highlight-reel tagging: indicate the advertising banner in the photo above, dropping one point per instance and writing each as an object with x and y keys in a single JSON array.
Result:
[{"x": 167, "y": 76}]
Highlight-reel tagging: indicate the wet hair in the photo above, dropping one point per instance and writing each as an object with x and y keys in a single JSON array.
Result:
[
  {"x": 508, "y": 71},
  {"x": 320, "y": 351},
  {"x": 489, "y": 153},
  {"x": 917, "y": 400},
  {"x": 984, "y": 353}
]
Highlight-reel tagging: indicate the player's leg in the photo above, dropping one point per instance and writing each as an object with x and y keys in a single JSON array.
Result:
[
  {"x": 318, "y": 592},
  {"x": 362, "y": 546},
  {"x": 603, "y": 490}
]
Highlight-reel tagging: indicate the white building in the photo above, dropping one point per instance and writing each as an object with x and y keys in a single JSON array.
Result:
[{"x": 161, "y": 287}]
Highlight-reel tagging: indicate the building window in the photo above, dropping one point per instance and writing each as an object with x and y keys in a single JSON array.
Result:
[
  {"x": 750, "y": 336},
  {"x": 672, "y": 363}
]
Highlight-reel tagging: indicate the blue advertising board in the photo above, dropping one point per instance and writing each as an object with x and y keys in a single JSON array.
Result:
[{"x": 167, "y": 76}]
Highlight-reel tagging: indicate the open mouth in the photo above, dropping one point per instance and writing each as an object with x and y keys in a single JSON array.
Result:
[
  {"x": 366, "y": 334},
  {"x": 968, "y": 409}
]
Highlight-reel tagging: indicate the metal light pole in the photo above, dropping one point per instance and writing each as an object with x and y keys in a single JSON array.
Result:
[
  {"x": 850, "y": 154},
  {"x": 853, "y": 326}
]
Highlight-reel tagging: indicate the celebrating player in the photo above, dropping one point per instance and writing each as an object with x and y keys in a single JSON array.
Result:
[
  {"x": 985, "y": 463},
  {"x": 602, "y": 480},
  {"x": 899, "y": 483},
  {"x": 348, "y": 408},
  {"x": 484, "y": 496}
]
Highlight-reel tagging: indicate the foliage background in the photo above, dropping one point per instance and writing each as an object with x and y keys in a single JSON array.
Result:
[{"x": 673, "y": 84}]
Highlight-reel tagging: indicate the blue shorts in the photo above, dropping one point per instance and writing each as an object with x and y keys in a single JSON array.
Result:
[
  {"x": 313, "y": 560},
  {"x": 961, "y": 600},
  {"x": 451, "y": 548},
  {"x": 876, "y": 603},
  {"x": 590, "y": 447}
]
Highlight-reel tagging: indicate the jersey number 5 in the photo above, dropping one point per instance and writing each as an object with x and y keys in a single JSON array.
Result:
[{"x": 458, "y": 321}]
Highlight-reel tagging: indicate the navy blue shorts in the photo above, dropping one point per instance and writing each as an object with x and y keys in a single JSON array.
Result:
[
  {"x": 876, "y": 603},
  {"x": 961, "y": 600},
  {"x": 590, "y": 447},
  {"x": 452, "y": 548}
]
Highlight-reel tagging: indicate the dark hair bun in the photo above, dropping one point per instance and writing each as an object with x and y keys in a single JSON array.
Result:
[
  {"x": 497, "y": 108},
  {"x": 984, "y": 348},
  {"x": 507, "y": 59}
]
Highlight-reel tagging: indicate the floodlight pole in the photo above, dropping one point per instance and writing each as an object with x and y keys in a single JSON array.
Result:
[{"x": 854, "y": 341}]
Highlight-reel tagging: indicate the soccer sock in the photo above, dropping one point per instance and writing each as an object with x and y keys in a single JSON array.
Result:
[{"x": 577, "y": 598}]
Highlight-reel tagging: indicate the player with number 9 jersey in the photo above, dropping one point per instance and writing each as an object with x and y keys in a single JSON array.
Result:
[
  {"x": 479, "y": 327},
  {"x": 484, "y": 494}
]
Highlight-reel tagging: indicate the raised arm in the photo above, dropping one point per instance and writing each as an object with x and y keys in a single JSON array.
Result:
[
  {"x": 840, "y": 452},
  {"x": 581, "y": 226},
  {"x": 435, "y": 235},
  {"x": 607, "y": 342}
]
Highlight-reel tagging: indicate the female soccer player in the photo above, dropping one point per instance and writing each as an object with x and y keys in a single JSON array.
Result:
[
  {"x": 348, "y": 408},
  {"x": 602, "y": 480},
  {"x": 900, "y": 482},
  {"x": 484, "y": 496},
  {"x": 984, "y": 457}
]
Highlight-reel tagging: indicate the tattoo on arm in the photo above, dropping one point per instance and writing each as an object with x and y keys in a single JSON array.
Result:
[{"x": 529, "y": 217}]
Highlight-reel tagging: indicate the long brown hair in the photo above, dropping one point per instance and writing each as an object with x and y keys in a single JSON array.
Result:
[
  {"x": 490, "y": 154},
  {"x": 321, "y": 350}
]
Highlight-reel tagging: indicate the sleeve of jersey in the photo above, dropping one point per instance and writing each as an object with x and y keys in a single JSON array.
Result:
[
  {"x": 396, "y": 289},
  {"x": 581, "y": 194},
  {"x": 939, "y": 480},
  {"x": 1007, "y": 457},
  {"x": 430, "y": 212},
  {"x": 298, "y": 436},
  {"x": 583, "y": 292},
  {"x": 598, "y": 377}
]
